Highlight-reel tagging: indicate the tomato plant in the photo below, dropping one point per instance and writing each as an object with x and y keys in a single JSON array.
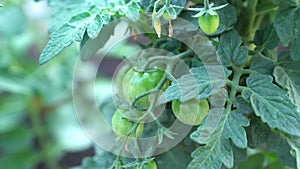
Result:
[{"x": 234, "y": 73}]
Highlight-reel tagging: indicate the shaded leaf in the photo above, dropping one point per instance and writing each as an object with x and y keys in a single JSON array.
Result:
[
  {"x": 261, "y": 65},
  {"x": 230, "y": 50},
  {"x": 294, "y": 142},
  {"x": 266, "y": 37},
  {"x": 284, "y": 2},
  {"x": 255, "y": 161},
  {"x": 102, "y": 159},
  {"x": 177, "y": 158},
  {"x": 257, "y": 133},
  {"x": 283, "y": 151},
  {"x": 288, "y": 30},
  {"x": 227, "y": 16},
  {"x": 243, "y": 105},
  {"x": 287, "y": 74}
]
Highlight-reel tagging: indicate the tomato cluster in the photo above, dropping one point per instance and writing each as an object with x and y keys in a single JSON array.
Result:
[
  {"x": 135, "y": 86},
  {"x": 132, "y": 84}
]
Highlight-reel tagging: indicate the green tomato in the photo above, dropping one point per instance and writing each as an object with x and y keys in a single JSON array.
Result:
[
  {"x": 142, "y": 82},
  {"x": 148, "y": 165},
  {"x": 122, "y": 79},
  {"x": 209, "y": 23},
  {"x": 191, "y": 112},
  {"x": 122, "y": 126}
]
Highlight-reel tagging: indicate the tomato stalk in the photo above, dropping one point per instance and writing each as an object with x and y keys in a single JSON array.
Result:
[
  {"x": 167, "y": 59},
  {"x": 168, "y": 2},
  {"x": 206, "y": 4},
  {"x": 251, "y": 10}
]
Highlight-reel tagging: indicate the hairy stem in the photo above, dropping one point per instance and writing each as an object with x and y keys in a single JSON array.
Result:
[
  {"x": 206, "y": 4},
  {"x": 251, "y": 12}
]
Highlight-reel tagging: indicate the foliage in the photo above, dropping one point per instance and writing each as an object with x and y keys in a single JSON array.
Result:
[
  {"x": 253, "y": 87},
  {"x": 36, "y": 112}
]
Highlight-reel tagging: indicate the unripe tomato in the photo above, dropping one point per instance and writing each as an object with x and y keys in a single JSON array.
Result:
[
  {"x": 123, "y": 77},
  {"x": 122, "y": 126},
  {"x": 142, "y": 82},
  {"x": 209, "y": 23},
  {"x": 148, "y": 165},
  {"x": 191, "y": 112}
]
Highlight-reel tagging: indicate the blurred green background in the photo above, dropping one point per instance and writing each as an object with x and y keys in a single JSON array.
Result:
[{"x": 38, "y": 123}]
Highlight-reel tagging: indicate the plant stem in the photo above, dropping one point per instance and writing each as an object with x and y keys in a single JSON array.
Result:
[
  {"x": 234, "y": 87},
  {"x": 41, "y": 137},
  {"x": 168, "y": 2},
  {"x": 251, "y": 12},
  {"x": 166, "y": 59},
  {"x": 206, "y": 4},
  {"x": 143, "y": 95}
]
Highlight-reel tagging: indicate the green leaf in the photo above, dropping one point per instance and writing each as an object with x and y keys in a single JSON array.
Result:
[
  {"x": 228, "y": 18},
  {"x": 294, "y": 142},
  {"x": 239, "y": 155},
  {"x": 219, "y": 99},
  {"x": 288, "y": 30},
  {"x": 230, "y": 50},
  {"x": 243, "y": 105},
  {"x": 295, "y": 50},
  {"x": 266, "y": 37},
  {"x": 287, "y": 74},
  {"x": 131, "y": 10},
  {"x": 200, "y": 83},
  {"x": 284, "y": 150},
  {"x": 63, "y": 3},
  {"x": 260, "y": 136},
  {"x": 177, "y": 158},
  {"x": 65, "y": 12},
  {"x": 261, "y": 65},
  {"x": 72, "y": 31},
  {"x": 98, "y": 160},
  {"x": 234, "y": 129},
  {"x": 91, "y": 46},
  {"x": 284, "y": 2},
  {"x": 257, "y": 133},
  {"x": 272, "y": 104},
  {"x": 217, "y": 149},
  {"x": 94, "y": 26},
  {"x": 212, "y": 156},
  {"x": 255, "y": 161}
]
